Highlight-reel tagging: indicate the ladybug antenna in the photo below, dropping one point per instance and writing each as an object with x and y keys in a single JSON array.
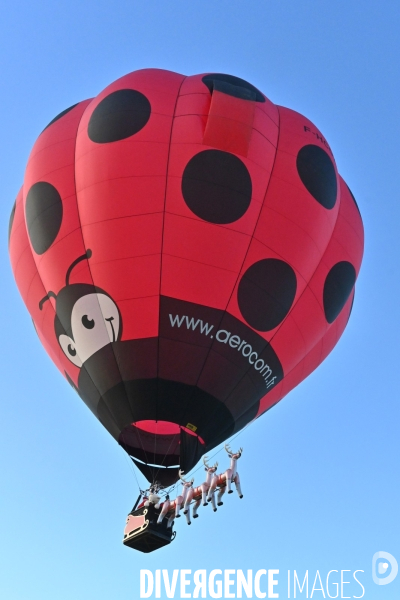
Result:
[
  {"x": 87, "y": 254},
  {"x": 47, "y": 297}
]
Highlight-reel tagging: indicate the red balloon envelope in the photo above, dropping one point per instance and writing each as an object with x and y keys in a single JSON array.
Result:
[{"x": 188, "y": 252}]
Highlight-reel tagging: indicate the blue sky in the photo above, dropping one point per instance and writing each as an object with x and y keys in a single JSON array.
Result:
[{"x": 320, "y": 470}]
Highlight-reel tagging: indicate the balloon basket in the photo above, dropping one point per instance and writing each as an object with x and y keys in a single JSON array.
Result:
[{"x": 143, "y": 533}]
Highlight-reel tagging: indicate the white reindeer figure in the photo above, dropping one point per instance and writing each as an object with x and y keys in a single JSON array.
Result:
[
  {"x": 185, "y": 498},
  {"x": 164, "y": 510},
  {"x": 170, "y": 520},
  {"x": 231, "y": 475},
  {"x": 205, "y": 487},
  {"x": 210, "y": 484}
]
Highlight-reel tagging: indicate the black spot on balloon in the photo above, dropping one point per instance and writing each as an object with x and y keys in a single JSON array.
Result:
[
  {"x": 266, "y": 293},
  {"x": 355, "y": 202},
  {"x": 337, "y": 288},
  {"x": 11, "y": 221},
  {"x": 216, "y": 186},
  {"x": 317, "y": 173},
  {"x": 44, "y": 212},
  {"x": 118, "y": 116},
  {"x": 61, "y": 114},
  {"x": 210, "y": 80}
]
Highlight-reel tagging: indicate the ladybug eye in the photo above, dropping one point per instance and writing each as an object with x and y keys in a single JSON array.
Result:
[
  {"x": 88, "y": 323},
  {"x": 71, "y": 350}
]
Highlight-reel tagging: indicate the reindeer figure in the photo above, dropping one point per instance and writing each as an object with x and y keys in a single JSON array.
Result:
[
  {"x": 204, "y": 487},
  {"x": 231, "y": 475},
  {"x": 164, "y": 510},
  {"x": 185, "y": 498},
  {"x": 170, "y": 520},
  {"x": 211, "y": 480},
  {"x": 209, "y": 486}
]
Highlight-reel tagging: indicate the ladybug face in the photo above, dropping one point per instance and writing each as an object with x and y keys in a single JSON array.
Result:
[{"x": 95, "y": 322}]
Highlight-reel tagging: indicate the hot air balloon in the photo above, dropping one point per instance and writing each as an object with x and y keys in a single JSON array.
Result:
[{"x": 188, "y": 253}]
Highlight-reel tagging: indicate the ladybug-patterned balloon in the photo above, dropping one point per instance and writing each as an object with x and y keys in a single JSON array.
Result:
[{"x": 188, "y": 253}]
